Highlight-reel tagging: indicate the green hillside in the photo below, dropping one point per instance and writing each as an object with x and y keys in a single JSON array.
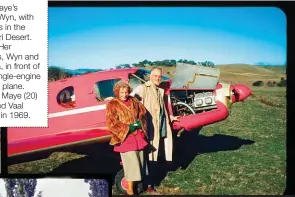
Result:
[{"x": 241, "y": 73}]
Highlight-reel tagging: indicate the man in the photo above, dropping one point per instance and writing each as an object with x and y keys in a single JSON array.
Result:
[{"x": 159, "y": 128}]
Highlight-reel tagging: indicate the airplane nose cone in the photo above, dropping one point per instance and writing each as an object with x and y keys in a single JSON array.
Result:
[{"x": 241, "y": 92}]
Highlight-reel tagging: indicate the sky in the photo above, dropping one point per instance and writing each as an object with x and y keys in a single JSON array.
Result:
[
  {"x": 53, "y": 187},
  {"x": 105, "y": 37}
]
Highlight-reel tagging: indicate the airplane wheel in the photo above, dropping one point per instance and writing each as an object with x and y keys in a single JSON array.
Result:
[{"x": 122, "y": 185}]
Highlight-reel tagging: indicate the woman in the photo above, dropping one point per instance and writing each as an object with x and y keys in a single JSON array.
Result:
[{"x": 126, "y": 120}]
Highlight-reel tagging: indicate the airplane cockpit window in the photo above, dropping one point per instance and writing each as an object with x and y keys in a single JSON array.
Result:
[
  {"x": 66, "y": 97},
  {"x": 140, "y": 77},
  {"x": 104, "y": 89},
  {"x": 135, "y": 81}
]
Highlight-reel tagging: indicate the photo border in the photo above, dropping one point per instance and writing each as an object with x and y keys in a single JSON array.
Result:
[{"x": 286, "y": 7}]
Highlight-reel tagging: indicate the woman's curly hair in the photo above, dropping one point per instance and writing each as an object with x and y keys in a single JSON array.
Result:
[{"x": 119, "y": 85}]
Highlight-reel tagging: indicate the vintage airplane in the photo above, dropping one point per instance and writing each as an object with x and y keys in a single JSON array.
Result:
[{"x": 77, "y": 106}]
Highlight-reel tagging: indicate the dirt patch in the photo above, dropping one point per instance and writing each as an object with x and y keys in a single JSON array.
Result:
[{"x": 262, "y": 100}]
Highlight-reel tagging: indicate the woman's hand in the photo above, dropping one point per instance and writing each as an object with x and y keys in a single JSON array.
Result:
[
  {"x": 108, "y": 98},
  {"x": 138, "y": 124},
  {"x": 132, "y": 128}
]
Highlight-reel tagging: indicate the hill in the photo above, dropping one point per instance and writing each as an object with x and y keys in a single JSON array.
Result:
[
  {"x": 281, "y": 69},
  {"x": 241, "y": 73},
  {"x": 231, "y": 73},
  {"x": 246, "y": 68}
]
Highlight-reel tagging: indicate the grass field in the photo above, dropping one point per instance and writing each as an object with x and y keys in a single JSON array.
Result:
[
  {"x": 245, "y": 154},
  {"x": 239, "y": 167}
]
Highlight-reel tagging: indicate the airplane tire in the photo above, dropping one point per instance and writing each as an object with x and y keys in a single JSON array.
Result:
[
  {"x": 118, "y": 182},
  {"x": 121, "y": 185}
]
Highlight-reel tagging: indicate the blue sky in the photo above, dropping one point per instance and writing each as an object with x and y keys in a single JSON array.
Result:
[{"x": 106, "y": 37}]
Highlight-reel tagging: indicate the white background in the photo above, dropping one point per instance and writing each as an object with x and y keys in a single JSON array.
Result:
[{"x": 38, "y": 30}]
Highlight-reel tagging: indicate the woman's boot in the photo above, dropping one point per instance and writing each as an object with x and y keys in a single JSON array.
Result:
[{"x": 130, "y": 188}]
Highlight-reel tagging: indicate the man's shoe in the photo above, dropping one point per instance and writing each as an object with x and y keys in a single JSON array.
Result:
[{"x": 150, "y": 190}]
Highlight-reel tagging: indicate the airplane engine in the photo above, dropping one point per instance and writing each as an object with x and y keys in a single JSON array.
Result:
[
  {"x": 199, "y": 108},
  {"x": 186, "y": 102}
]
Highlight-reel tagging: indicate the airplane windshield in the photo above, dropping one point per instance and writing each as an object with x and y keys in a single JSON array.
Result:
[{"x": 140, "y": 77}]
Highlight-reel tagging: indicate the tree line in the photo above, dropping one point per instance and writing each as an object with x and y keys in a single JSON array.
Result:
[
  {"x": 166, "y": 62},
  {"x": 282, "y": 83},
  {"x": 57, "y": 73}
]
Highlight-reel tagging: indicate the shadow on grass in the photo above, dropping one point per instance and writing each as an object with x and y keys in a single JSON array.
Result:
[
  {"x": 189, "y": 145},
  {"x": 100, "y": 158}
]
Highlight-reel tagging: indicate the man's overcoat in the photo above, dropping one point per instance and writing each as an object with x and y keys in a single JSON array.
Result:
[{"x": 148, "y": 95}]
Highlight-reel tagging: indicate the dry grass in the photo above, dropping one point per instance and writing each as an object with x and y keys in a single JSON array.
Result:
[{"x": 44, "y": 165}]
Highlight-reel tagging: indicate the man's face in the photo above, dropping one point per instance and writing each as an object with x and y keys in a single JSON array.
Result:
[
  {"x": 156, "y": 77},
  {"x": 123, "y": 94}
]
